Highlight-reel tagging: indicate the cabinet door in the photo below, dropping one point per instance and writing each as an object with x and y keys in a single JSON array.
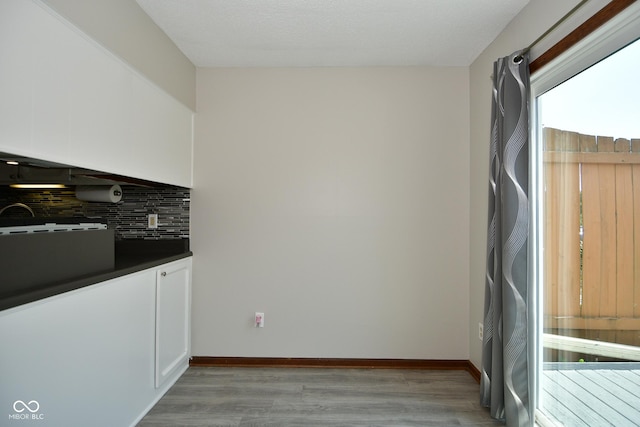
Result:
[
  {"x": 173, "y": 300},
  {"x": 99, "y": 94},
  {"x": 161, "y": 135},
  {"x": 85, "y": 356},
  {"x": 19, "y": 32},
  {"x": 65, "y": 99}
]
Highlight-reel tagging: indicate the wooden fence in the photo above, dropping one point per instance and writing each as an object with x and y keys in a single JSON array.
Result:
[{"x": 592, "y": 235}]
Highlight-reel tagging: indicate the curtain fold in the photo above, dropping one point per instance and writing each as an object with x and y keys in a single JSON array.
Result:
[{"x": 505, "y": 375}]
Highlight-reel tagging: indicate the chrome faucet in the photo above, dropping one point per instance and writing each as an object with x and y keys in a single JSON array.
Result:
[{"x": 17, "y": 205}]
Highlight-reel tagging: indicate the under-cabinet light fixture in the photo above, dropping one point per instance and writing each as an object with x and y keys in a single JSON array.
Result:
[
  {"x": 12, "y": 163},
  {"x": 41, "y": 186}
]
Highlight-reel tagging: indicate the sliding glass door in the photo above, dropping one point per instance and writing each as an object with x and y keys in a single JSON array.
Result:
[{"x": 587, "y": 231}]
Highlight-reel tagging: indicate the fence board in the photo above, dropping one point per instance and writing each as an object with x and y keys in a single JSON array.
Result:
[
  {"x": 635, "y": 149},
  {"x": 607, "y": 174},
  {"x": 552, "y": 174},
  {"x": 551, "y": 227},
  {"x": 562, "y": 226},
  {"x": 624, "y": 240},
  {"x": 588, "y": 144},
  {"x": 605, "y": 144},
  {"x": 592, "y": 252},
  {"x": 622, "y": 145},
  {"x": 636, "y": 236},
  {"x": 607, "y": 287}
]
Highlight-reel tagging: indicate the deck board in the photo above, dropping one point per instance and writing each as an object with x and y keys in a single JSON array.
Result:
[
  {"x": 592, "y": 394},
  {"x": 583, "y": 414},
  {"x": 557, "y": 409},
  {"x": 612, "y": 393}
]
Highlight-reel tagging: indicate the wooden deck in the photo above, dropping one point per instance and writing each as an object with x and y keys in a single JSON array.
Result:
[{"x": 592, "y": 394}]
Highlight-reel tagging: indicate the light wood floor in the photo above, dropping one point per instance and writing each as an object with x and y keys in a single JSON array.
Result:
[{"x": 320, "y": 397}]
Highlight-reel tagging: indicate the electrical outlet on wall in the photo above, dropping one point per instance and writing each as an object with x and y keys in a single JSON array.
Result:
[
  {"x": 152, "y": 221},
  {"x": 259, "y": 319},
  {"x": 480, "y": 331}
]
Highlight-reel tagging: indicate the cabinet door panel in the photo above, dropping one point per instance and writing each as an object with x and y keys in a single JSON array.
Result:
[
  {"x": 86, "y": 356},
  {"x": 99, "y": 110},
  {"x": 172, "y": 319},
  {"x": 162, "y": 130},
  {"x": 17, "y": 36},
  {"x": 50, "y": 95},
  {"x": 68, "y": 100}
]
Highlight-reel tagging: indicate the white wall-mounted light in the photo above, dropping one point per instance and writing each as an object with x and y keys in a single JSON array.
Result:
[
  {"x": 41, "y": 186},
  {"x": 12, "y": 163}
]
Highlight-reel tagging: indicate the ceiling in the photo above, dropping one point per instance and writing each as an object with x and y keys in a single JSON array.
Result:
[{"x": 311, "y": 33}]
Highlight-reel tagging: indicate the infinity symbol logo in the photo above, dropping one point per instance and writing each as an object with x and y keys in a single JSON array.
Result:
[{"x": 20, "y": 404}]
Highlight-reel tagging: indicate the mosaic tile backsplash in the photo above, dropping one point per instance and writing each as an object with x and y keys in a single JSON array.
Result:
[{"x": 128, "y": 218}]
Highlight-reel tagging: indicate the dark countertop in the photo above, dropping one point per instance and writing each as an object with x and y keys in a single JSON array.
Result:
[{"x": 131, "y": 256}]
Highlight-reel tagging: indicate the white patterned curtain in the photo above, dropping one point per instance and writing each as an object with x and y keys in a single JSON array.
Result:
[{"x": 505, "y": 375}]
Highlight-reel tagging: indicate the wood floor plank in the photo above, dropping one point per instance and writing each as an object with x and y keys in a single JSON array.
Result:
[{"x": 320, "y": 397}]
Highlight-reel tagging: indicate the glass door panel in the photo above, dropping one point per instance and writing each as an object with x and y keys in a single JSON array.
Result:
[{"x": 590, "y": 141}]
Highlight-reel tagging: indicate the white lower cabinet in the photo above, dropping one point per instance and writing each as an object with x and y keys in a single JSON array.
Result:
[
  {"x": 173, "y": 301},
  {"x": 100, "y": 355}
]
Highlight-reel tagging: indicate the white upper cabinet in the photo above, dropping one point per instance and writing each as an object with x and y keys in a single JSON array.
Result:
[
  {"x": 68, "y": 100},
  {"x": 17, "y": 69},
  {"x": 164, "y": 156}
]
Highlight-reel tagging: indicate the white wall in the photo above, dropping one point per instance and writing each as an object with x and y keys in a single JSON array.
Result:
[
  {"x": 127, "y": 31},
  {"x": 534, "y": 20},
  {"x": 263, "y": 241},
  {"x": 336, "y": 201}
]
